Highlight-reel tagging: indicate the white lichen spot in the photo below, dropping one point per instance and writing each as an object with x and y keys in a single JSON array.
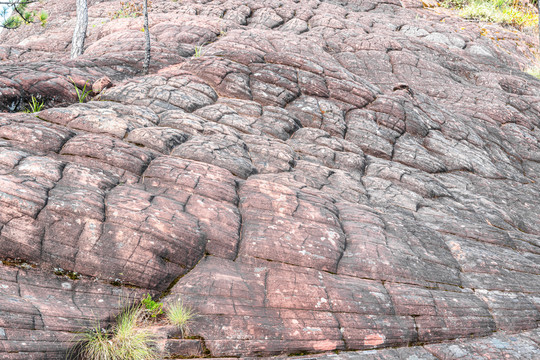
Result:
[
  {"x": 320, "y": 302},
  {"x": 66, "y": 285}
]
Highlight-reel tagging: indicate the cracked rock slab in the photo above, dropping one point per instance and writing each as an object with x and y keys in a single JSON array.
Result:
[{"x": 309, "y": 176}]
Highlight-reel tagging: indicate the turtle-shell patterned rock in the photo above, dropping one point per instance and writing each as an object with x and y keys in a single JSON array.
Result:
[{"x": 345, "y": 179}]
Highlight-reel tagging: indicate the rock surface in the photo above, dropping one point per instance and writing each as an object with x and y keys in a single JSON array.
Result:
[{"x": 310, "y": 176}]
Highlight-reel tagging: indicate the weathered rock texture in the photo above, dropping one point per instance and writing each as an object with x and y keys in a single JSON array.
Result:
[{"x": 309, "y": 176}]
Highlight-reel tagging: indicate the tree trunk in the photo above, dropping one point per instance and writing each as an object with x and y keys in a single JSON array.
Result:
[
  {"x": 146, "y": 63},
  {"x": 79, "y": 35}
]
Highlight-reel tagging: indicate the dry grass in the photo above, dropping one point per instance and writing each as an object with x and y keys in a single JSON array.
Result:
[
  {"x": 508, "y": 12},
  {"x": 124, "y": 341},
  {"x": 180, "y": 315}
]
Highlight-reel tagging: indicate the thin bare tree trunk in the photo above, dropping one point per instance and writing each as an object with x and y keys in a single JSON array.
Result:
[
  {"x": 146, "y": 63},
  {"x": 79, "y": 34}
]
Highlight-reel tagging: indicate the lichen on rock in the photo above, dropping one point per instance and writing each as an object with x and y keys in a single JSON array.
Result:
[{"x": 352, "y": 176}]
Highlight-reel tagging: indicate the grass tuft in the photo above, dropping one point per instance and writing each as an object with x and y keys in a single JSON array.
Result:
[
  {"x": 180, "y": 315},
  {"x": 125, "y": 340},
  {"x": 34, "y": 106},
  {"x": 83, "y": 93},
  {"x": 199, "y": 51}
]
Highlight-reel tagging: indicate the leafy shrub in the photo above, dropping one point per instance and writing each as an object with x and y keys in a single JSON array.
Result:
[
  {"x": 499, "y": 11},
  {"x": 152, "y": 308},
  {"x": 21, "y": 15},
  {"x": 507, "y": 12}
]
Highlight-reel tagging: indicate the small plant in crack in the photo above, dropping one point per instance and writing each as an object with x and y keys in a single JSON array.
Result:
[
  {"x": 124, "y": 340},
  {"x": 83, "y": 93},
  {"x": 116, "y": 282},
  {"x": 20, "y": 263},
  {"x": 34, "y": 105},
  {"x": 153, "y": 309},
  {"x": 180, "y": 315},
  {"x": 73, "y": 275},
  {"x": 130, "y": 335},
  {"x": 199, "y": 51}
]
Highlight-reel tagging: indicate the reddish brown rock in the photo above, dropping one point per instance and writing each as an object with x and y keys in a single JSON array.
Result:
[
  {"x": 40, "y": 311},
  {"x": 101, "y": 84},
  {"x": 309, "y": 176},
  {"x": 180, "y": 348}
]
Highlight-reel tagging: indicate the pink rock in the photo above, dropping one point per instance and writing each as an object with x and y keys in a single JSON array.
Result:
[
  {"x": 308, "y": 176},
  {"x": 101, "y": 84}
]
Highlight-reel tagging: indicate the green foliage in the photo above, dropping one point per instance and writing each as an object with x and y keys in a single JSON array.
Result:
[
  {"x": 128, "y": 339},
  {"x": 535, "y": 71},
  {"x": 124, "y": 341},
  {"x": 499, "y": 11},
  {"x": 508, "y": 12},
  {"x": 198, "y": 51},
  {"x": 458, "y": 4},
  {"x": 83, "y": 93},
  {"x": 95, "y": 344},
  {"x": 12, "y": 22},
  {"x": 128, "y": 9},
  {"x": 34, "y": 106},
  {"x": 180, "y": 315},
  {"x": 43, "y": 17},
  {"x": 73, "y": 275},
  {"x": 153, "y": 308},
  {"x": 20, "y": 15}
]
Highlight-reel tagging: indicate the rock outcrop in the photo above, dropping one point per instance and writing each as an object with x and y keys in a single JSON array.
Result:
[{"x": 310, "y": 176}]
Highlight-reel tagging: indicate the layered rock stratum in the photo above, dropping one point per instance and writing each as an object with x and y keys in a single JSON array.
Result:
[{"x": 310, "y": 176}]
